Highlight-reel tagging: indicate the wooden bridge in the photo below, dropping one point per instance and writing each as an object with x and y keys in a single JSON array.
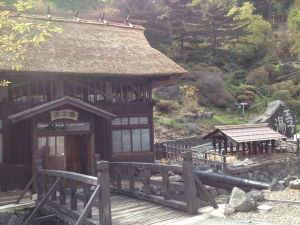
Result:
[{"x": 122, "y": 193}]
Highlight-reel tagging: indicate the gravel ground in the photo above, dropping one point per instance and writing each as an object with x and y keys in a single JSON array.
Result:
[{"x": 283, "y": 213}]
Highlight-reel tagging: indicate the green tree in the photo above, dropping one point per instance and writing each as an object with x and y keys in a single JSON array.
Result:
[{"x": 17, "y": 35}]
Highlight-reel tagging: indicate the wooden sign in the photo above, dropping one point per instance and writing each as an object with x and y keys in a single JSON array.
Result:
[{"x": 64, "y": 114}]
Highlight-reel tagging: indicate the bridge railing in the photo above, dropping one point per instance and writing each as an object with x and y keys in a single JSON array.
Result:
[
  {"x": 152, "y": 182},
  {"x": 73, "y": 195}
]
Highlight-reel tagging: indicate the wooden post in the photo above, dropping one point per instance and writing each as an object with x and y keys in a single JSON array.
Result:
[
  {"x": 147, "y": 175},
  {"x": 298, "y": 146},
  {"x": 73, "y": 195},
  {"x": 87, "y": 196},
  {"x": 53, "y": 195},
  {"x": 189, "y": 183},
  {"x": 108, "y": 92},
  {"x": 97, "y": 159},
  {"x": 273, "y": 146},
  {"x": 165, "y": 184},
  {"x": 261, "y": 147},
  {"x": 238, "y": 150},
  {"x": 39, "y": 185},
  {"x": 244, "y": 149},
  {"x": 220, "y": 147},
  {"x": 231, "y": 148},
  {"x": 266, "y": 146},
  {"x": 104, "y": 202},
  {"x": 249, "y": 148},
  {"x": 254, "y": 144},
  {"x": 62, "y": 195},
  {"x": 225, "y": 146},
  {"x": 131, "y": 179}
]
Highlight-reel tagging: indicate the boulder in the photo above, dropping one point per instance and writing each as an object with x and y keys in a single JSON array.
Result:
[
  {"x": 167, "y": 93},
  {"x": 257, "y": 195},
  {"x": 295, "y": 184},
  {"x": 288, "y": 179},
  {"x": 279, "y": 118},
  {"x": 175, "y": 178},
  {"x": 241, "y": 201},
  {"x": 212, "y": 191},
  {"x": 275, "y": 185},
  {"x": 228, "y": 211},
  {"x": 14, "y": 220},
  {"x": 4, "y": 217}
]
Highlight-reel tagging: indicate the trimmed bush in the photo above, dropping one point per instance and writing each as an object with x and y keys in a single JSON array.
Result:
[
  {"x": 165, "y": 106},
  {"x": 251, "y": 95},
  {"x": 258, "y": 77},
  {"x": 283, "y": 95},
  {"x": 242, "y": 98},
  {"x": 294, "y": 105}
]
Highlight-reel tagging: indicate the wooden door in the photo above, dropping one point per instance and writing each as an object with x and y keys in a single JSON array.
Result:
[
  {"x": 77, "y": 152},
  {"x": 51, "y": 150}
]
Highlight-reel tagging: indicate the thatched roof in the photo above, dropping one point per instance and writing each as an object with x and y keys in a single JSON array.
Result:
[{"x": 102, "y": 50}]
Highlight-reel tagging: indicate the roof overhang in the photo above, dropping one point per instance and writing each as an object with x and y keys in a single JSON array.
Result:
[{"x": 57, "y": 103}]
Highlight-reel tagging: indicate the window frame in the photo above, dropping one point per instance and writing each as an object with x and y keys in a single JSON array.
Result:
[
  {"x": 132, "y": 127},
  {"x": 2, "y": 141}
]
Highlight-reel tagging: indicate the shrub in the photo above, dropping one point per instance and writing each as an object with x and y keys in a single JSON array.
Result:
[
  {"x": 283, "y": 95},
  {"x": 240, "y": 75},
  {"x": 294, "y": 105},
  {"x": 165, "y": 106},
  {"x": 284, "y": 85},
  {"x": 242, "y": 98},
  {"x": 258, "y": 77},
  {"x": 251, "y": 95},
  {"x": 221, "y": 103}
]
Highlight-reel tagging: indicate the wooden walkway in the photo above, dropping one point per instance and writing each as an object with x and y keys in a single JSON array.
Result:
[{"x": 125, "y": 211}]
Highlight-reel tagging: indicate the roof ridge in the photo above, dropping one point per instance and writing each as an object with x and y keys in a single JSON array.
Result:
[{"x": 80, "y": 21}]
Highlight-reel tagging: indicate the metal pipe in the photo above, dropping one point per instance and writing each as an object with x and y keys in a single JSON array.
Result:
[{"x": 228, "y": 182}]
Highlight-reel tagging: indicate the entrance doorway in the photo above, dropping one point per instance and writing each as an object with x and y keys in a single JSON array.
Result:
[
  {"x": 77, "y": 153},
  {"x": 68, "y": 152}
]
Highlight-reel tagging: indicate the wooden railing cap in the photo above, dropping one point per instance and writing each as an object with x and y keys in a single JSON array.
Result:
[{"x": 102, "y": 165}]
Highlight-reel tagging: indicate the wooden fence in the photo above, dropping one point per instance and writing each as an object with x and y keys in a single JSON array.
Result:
[
  {"x": 72, "y": 196},
  {"x": 205, "y": 153},
  {"x": 139, "y": 179},
  {"x": 13, "y": 177}
]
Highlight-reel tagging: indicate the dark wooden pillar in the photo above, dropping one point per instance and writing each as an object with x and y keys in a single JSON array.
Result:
[
  {"x": 244, "y": 149},
  {"x": 273, "y": 146},
  {"x": 225, "y": 146},
  {"x": 108, "y": 91},
  {"x": 298, "y": 146},
  {"x": 249, "y": 148},
  {"x": 238, "y": 149},
  {"x": 267, "y": 146},
  {"x": 231, "y": 148},
  {"x": 3, "y": 93},
  {"x": 59, "y": 88},
  {"x": 254, "y": 145},
  {"x": 261, "y": 148},
  {"x": 220, "y": 147}
]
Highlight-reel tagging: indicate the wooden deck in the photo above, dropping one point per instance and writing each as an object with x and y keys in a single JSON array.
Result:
[{"x": 125, "y": 211}]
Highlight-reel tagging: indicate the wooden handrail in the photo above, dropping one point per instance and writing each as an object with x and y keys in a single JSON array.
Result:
[
  {"x": 150, "y": 166},
  {"x": 26, "y": 189},
  {"x": 70, "y": 175}
]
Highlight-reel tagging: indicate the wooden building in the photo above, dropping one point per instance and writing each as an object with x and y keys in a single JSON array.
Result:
[
  {"x": 87, "y": 90},
  {"x": 244, "y": 140}
]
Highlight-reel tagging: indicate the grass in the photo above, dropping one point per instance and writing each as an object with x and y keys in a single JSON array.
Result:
[
  {"x": 298, "y": 128},
  {"x": 170, "y": 122}
]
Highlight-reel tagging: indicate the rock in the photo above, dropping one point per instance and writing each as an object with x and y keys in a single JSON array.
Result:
[
  {"x": 4, "y": 217},
  {"x": 288, "y": 179},
  {"x": 257, "y": 195},
  {"x": 14, "y": 220},
  {"x": 175, "y": 178},
  {"x": 212, "y": 191},
  {"x": 275, "y": 110},
  {"x": 228, "y": 211},
  {"x": 192, "y": 128},
  {"x": 275, "y": 185},
  {"x": 222, "y": 191},
  {"x": 167, "y": 93},
  {"x": 182, "y": 120},
  {"x": 295, "y": 184},
  {"x": 241, "y": 201},
  {"x": 222, "y": 199},
  {"x": 265, "y": 207},
  {"x": 23, "y": 214}
]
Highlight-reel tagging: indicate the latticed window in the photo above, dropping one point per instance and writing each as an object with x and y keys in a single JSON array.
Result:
[{"x": 131, "y": 134}]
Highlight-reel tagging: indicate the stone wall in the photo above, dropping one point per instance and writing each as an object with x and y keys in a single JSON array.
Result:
[{"x": 267, "y": 170}]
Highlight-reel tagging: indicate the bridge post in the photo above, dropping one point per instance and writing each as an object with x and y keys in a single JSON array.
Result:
[
  {"x": 38, "y": 185},
  {"x": 104, "y": 201},
  {"x": 190, "y": 191},
  {"x": 96, "y": 159}
]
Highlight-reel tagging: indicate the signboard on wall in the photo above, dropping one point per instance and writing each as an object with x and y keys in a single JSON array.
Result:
[{"x": 64, "y": 114}]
